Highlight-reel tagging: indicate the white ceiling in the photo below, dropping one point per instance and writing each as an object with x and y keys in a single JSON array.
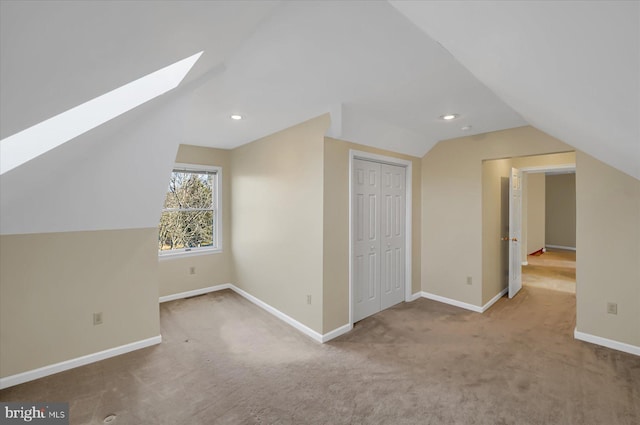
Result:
[
  {"x": 310, "y": 56},
  {"x": 570, "y": 69}
]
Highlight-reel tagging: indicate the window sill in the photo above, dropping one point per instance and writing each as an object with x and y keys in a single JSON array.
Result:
[{"x": 183, "y": 254}]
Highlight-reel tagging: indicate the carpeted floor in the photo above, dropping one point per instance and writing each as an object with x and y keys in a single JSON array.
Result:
[
  {"x": 554, "y": 269},
  {"x": 225, "y": 361}
]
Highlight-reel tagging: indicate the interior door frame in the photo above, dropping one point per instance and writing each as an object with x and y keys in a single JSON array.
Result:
[
  {"x": 383, "y": 159},
  {"x": 540, "y": 169}
]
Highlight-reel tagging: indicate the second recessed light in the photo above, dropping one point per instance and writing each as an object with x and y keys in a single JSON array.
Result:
[
  {"x": 236, "y": 117},
  {"x": 449, "y": 117}
]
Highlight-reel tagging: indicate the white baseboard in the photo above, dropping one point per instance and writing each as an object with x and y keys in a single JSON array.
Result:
[
  {"x": 336, "y": 332},
  {"x": 31, "y": 375},
  {"x": 194, "y": 292},
  {"x": 415, "y": 296},
  {"x": 450, "y": 301},
  {"x": 609, "y": 343},
  {"x": 495, "y": 299},
  {"x": 568, "y": 248},
  {"x": 525, "y": 263},
  {"x": 280, "y": 315},
  {"x": 464, "y": 305}
]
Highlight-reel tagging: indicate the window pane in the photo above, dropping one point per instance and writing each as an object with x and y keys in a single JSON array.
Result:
[
  {"x": 189, "y": 190},
  {"x": 185, "y": 229}
]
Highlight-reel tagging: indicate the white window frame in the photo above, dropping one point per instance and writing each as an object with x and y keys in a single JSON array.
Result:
[{"x": 189, "y": 252}]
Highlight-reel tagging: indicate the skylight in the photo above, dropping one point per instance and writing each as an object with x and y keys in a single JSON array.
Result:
[{"x": 32, "y": 142}]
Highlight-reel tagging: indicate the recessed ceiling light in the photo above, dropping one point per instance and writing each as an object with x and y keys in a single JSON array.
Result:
[
  {"x": 449, "y": 117},
  {"x": 466, "y": 128},
  {"x": 236, "y": 117}
]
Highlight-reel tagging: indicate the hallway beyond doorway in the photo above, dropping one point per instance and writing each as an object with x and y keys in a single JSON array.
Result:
[{"x": 554, "y": 269}]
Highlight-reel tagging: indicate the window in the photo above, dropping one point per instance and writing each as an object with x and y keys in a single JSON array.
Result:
[{"x": 190, "y": 219}]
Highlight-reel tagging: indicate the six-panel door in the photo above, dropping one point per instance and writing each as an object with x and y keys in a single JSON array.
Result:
[{"x": 379, "y": 237}]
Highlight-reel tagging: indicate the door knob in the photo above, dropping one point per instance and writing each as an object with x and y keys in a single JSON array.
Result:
[
  {"x": 506, "y": 238},
  {"x": 514, "y": 239},
  {"x": 373, "y": 247}
]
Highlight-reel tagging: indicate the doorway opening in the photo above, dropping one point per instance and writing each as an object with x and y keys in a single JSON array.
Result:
[
  {"x": 542, "y": 216},
  {"x": 506, "y": 237},
  {"x": 549, "y": 260}
]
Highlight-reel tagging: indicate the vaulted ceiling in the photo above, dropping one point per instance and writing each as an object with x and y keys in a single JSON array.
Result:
[{"x": 385, "y": 70}]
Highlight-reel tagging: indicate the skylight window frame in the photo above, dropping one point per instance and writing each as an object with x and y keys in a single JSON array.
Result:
[{"x": 40, "y": 138}]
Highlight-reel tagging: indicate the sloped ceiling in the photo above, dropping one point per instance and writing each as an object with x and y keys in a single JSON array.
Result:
[
  {"x": 362, "y": 58},
  {"x": 277, "y": 63},
  {"x": 55, "y": 55},
  {"x": 385, "y": 71},
  {"x": 570, "y": 68}
]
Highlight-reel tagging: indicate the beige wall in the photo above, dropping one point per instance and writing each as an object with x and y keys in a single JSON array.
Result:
[
  {"x": 452, "y": 214},
  {"x": 277, "y": 204},
  {"x": 52, "y": 283},
  {"x": 336, "y": 228},
  {"x": 535, "y": 214},
  {"x": 291, "y": 149},
  {"x": 289, "y": 196},
  {"x": 210, "y": 269},
  {"x": 608, "y": 256},
  {"x": 561, "y": 210}
]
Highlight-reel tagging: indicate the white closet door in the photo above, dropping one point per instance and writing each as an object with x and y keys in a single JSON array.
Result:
[
  {"x": 366, "y": 225},
  {"x": 379, "y": 237},
  {"x": 392, "y": 232}
]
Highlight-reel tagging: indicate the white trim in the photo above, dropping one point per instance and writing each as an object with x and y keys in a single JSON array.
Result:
[
  {"x": 416, "y": 296},
  {"x": 546, "y": 168},
  {"x": 337, "y": 332},
  {"x": 356, "y": 154},
  {"x": 280, "y": 315},
  {"x": 169, "y": 255},
  {"x": 568, "y": 248},
  {"x": 461, "y": 304},
  {"x": 609, "y": 343},
  {"x": 31, "y": 375},
  {"x": 180, "y": 253},
  {"x": 194, "y": 292},
  {"x": 493, "y": 300},
  {"x": 450, "y": 301},
  {"x": 525, "y": 263}
]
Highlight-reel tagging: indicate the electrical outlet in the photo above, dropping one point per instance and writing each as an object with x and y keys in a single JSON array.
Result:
[
  {"x": 469, "y": 280},
  {"x": 308, "y": 299},
  {"x": 192, "y": 270},
  {"x": 612, "y": 308},
  {"x": 97, "y": 318}
]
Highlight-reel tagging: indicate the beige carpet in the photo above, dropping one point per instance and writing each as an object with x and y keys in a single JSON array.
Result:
[
  {"x": 225, "y": 361},
  {"x": 555, "y": 269}
]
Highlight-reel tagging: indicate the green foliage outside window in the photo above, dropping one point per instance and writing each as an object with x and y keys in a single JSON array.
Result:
[{"x": 188, "y": 215}]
